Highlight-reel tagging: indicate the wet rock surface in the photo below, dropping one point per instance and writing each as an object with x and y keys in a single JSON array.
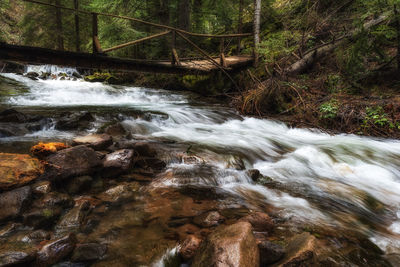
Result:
[
  {"x": 95, "y": 141},
  {"x": 13, "y": 202},
  {"x": 88, "y": 252},
  {"x": 55, "y": 250},
  {"x": 232, "y": 245},
  {"x": 270, "y": 252},
  {"x": 119, "y": 161},
  {"x": 73, "y": 121},
  {"x": 17, "y": 170},
  {"x": 75, "y": 161}
]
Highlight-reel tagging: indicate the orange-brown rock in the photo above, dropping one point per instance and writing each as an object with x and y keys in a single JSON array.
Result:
[
  {"x": 17, "y": 170},
  {"x": 42, "y": 150},
  {"x": 232, "y": 245},
  {"x": 189, "y": 247},
  {"x": 260, "y": 221}
]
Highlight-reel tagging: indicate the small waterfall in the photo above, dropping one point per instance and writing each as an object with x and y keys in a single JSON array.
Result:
[{"x": 52, "y": 69}]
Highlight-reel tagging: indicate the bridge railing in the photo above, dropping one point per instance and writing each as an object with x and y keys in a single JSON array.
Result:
[{"x": 173, "y": 32}]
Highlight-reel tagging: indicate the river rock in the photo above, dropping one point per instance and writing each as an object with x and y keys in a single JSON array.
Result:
[
  {"x": 189, "y": 247},
  {"x": 254, "y": 174},
  {"x": 74, "y": 161},
  {"x": 116, "y": 130},
  {"x": 79, "y": 184},
  {"x": 232, "y": 245},
  {"x": 53, "y": 199},
  {"x": 36, "y": 237},
  {"x": 42, "y": 217},
  {"x": 13, "y": 202},
  {"x": 73, "y": 219},
  {"x": 120, "y": 193},
  {"x": 299, "y": 251},
  {"x": 17, "y": 170},
  {"x": 150, "y": 163},
  {"x": 41, "y": 188},
  {"x": 236, "y": 163},
  {"x": 74, "y": 121},
  {"x": 17, "y": 257},
  {"x": 260, "y": 221},
  {"x": 208, "y": 219},
  {"x": 55, "y": 250},
  {"x": 270, "y": 252},
  {"x": 11, "y": 129},
  {"x": 11, "y": 115},
  {"x": 88, "y": 252},
  {"x": 9, "y": 229},
  {"x": 118, "y": 162},
  {"x": 95, "y": 141},
  {"x": 43, "y": 150}
]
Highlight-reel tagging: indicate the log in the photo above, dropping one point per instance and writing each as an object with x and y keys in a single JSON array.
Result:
[{"x": 309, "y": 58}]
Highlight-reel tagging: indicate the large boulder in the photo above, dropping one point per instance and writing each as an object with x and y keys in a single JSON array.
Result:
[
  {"x": 208, "y": 219},
  {"x": 55, "y": 250},
  {"x": 95, "y": 141},
  {"x": 260, "y": 221},
  {"x": 270, "y": 252},
  {"x": 189, "y": 247},
  {"x": 12, "y": 129},
  {"x": 13, "y": 202},
  {"x": 11, "y": 115},
  {"x": 74, "y": 121},
  {"x": 89, "y": 252},
  {"x": 75, "y": 161},
  {"x": 119, "y": 161},
  {"x": 17, "y": 170},
  {"x": 300, "y": 251},
  {"x": 232, "y": 245}
]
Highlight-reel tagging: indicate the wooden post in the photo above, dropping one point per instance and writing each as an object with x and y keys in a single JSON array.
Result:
[
  {"x": 60, "y": 39},
  {"x": 96, "y": 43},
  {"x": 77, "y": 39},
  {"x": 222, "y": 55},
  {"x": 174, "y": 55}
]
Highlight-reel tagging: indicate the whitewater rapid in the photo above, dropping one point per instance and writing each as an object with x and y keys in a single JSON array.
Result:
[{"x": 342, "y": 169}]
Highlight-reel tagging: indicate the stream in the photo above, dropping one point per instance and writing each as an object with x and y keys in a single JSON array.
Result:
[{"x": 311, "y": 180}]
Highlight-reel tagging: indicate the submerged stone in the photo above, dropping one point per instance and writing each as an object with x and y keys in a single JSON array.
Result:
[
  {"x": 17, "y": 170},
  {"x": 232, "y": 245},
  {"x": 260, "y": 221},
  {"x": 270, "y": 252},
  {"x": 88, "y": 252},
  {"x": 208, "y": 219}
]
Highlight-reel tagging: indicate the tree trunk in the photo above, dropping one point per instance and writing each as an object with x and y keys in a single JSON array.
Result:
[
  {"x": 257, "y": 14},
  {"x": 309, "y": 58},
  {"x": 240, "y": 25},
  {"x": 396, "y": 13},
  {"x": 164, "y": 12},
  {"x": 184, "y": 15},
  {"x": 59, "y": 34},
  {"x": 198, "y": 17}
]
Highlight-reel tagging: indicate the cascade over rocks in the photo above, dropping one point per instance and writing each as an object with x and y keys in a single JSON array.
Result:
[
  {"x": 17, "y": 170},
  {"x": 232, "y": 245},
  {"x": 74, "y": 161}
]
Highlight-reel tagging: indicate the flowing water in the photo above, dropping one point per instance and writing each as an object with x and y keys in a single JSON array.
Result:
[{"x": 341, "y": 182}]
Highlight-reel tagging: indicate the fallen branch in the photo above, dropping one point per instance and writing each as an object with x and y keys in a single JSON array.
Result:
[{"x": 309, "y": 58}]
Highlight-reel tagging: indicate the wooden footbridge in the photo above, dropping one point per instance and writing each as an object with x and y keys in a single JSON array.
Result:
[{"x": 98, "y": 59}]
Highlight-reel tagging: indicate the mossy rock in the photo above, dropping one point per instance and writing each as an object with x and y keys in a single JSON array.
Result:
[{"x": 103, "y": 77}]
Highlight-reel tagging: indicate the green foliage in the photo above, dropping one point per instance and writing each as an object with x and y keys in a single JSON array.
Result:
[
  {"x": 377, "y": 116},
  {"x": 332, "y": 83},
  {"x": 329, "y": 109},
  {"x": 278, "y": 44}
]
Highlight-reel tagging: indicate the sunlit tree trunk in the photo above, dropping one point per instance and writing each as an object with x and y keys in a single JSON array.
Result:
[
  {"x": 257, "y": 12},
  {"x": 240, "y": 24}
]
